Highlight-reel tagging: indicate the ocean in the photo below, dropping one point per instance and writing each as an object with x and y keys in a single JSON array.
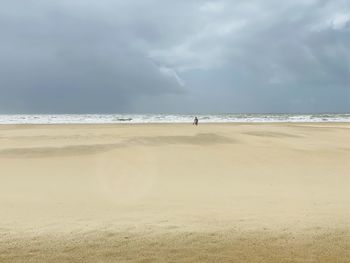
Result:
[{"x": 166, "y": 118}]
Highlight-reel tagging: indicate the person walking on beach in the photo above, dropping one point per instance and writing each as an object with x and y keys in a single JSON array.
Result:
[{"x": 195, "y": 122}]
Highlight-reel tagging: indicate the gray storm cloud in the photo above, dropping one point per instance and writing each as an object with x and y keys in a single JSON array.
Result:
[{"x": 174, "y": 56}]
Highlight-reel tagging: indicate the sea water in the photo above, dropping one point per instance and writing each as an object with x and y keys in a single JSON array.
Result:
[{"x": 166, "y": 118}]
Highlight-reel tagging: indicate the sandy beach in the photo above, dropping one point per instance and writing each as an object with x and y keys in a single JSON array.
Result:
[{"x": 274, "y": 192}]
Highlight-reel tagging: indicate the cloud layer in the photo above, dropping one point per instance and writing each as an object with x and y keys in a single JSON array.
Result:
[{"x": 174, "y": 56}]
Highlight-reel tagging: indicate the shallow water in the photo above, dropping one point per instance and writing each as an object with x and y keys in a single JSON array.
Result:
[{"x": 166, "y": 118}]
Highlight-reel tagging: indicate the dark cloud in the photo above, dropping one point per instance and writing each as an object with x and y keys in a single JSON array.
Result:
[{"x": 174, "y": 56}]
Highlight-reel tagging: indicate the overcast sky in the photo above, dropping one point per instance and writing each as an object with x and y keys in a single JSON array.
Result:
[{"x": 167, "y": 56}]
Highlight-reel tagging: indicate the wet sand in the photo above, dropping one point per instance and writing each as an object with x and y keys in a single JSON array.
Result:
[{"x": 175, "y": 193}]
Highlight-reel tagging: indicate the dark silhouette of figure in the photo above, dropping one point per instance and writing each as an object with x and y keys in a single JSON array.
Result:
[{"x": 195, "y": 122}]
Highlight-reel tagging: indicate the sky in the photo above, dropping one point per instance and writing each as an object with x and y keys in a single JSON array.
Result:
[{"x": 167, "y": 56}]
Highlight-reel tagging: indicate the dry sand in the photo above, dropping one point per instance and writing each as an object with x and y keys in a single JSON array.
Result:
[{"x": 175, "y": 193}]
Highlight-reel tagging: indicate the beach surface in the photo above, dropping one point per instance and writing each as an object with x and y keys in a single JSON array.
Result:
[{"x": 277, "y": 192}]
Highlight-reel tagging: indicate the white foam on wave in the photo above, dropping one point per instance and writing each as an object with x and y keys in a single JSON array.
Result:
[{"x": 166, "y": 118}]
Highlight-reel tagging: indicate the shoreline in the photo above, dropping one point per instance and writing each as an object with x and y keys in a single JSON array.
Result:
[
  {"x": 169, "y": 118},
  {"x": 177, "y": 123}
]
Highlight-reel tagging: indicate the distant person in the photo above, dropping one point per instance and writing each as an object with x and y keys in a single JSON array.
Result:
[{"x": 195, "y": 122}]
